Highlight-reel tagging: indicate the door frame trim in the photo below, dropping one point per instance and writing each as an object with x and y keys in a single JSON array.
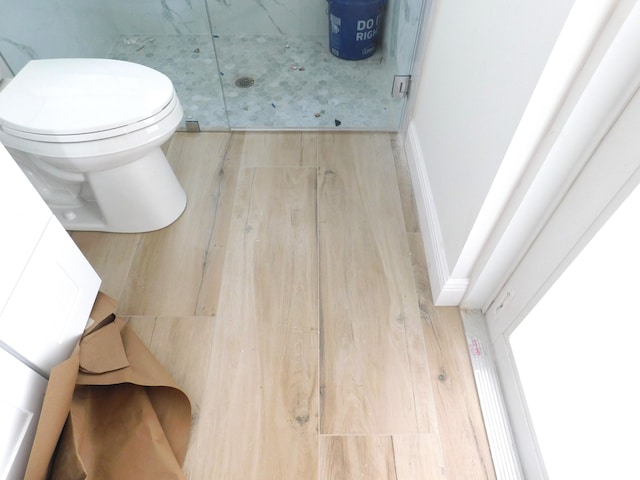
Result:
[{"x": 588, "y": 172}]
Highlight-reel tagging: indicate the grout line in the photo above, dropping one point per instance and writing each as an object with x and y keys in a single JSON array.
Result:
[
  {"x": 215, "y": 220},
  {"x": 399, "y": 197},
  {"x": 319, "y": 310},
  {"x": 393, "y": 455}
]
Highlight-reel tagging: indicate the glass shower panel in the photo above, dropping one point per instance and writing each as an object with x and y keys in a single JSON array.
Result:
[
  {"x": 277, "y": 71},
  {"x": 270, "y": 58},
  {"x": 172, "y": 36}
]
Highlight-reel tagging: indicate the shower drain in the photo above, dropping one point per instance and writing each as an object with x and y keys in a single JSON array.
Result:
[{"x": 245, "y": 82}]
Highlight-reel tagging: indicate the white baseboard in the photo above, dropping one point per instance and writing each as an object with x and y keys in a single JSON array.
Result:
[{"x": 446, "y": 290}]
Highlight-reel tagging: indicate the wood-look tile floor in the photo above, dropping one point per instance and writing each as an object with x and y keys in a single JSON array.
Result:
[{"x": 291, "y": 302}]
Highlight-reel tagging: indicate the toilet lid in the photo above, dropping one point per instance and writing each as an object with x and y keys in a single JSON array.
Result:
[{"x": 77, "y": 96}]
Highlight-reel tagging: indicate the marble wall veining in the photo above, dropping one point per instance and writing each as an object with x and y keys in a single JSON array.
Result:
[
  {"x": 159, "y": 17},
  {"x": 309, "y": 18},
  {"x": 284, "y": 18}
]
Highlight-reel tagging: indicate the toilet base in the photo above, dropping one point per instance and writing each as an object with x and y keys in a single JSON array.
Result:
[{"x": 140, "y": 196}]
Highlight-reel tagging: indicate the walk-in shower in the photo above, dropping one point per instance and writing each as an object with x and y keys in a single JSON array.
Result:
[{"x": 236, "y": 64}]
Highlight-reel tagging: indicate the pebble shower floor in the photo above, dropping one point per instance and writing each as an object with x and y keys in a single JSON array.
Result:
[{"x": 298, "y": 84}]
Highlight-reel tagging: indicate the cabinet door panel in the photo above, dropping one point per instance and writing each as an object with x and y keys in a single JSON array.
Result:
[
  {"x": 48, "y": 309},
  {"x": 20, "y": 403},
  {"x": 24, "y": 217}
]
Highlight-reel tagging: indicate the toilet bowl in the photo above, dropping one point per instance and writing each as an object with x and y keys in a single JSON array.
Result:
[{"x": 88, "y": 135}]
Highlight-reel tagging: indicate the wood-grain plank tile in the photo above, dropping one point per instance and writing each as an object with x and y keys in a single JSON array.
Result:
[
  {"x": 143, "y": 326},
  {"x": 261, "y": 413},
  {"x": 209, "y": 293},
  {"x": 110, "y": 255},
  {"x": 280, "y": 149},
  {"x": 266, "y": 149},
  {"x": 373, "y": 374},
  {"x": 183, "y": 346},
  {"x": 419, "y": 457},
  {"x": 460, "y": 423},
  {"x": 253, "y": 370},
  {"x": 356, "y": 457},
  {"x": 405, "y": 186},
  {"x": 167, "y": 270}
]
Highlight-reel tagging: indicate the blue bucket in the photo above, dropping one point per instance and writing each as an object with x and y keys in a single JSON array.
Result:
[{"x": 354, "y": 27}]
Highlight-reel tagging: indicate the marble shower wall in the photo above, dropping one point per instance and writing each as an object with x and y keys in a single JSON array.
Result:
[
  {"x": 158, "y": 17},
  {"x": 284, "y": 18},
  {"x": 309, "y": 18},
  {"x": 32, "y": 29},
  {"x": 282, "y": 44},
  {"x": 84, "y": 28}
]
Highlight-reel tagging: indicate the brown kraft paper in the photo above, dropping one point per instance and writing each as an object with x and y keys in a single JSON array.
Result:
[{"x": 111, "y": 411}]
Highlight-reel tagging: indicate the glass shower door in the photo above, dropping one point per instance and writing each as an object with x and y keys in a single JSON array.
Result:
[
  {"x": 239, "y": 64},
  {"x": 189, "y": 60},
  {"x": 172, "y": 36},
  {"x": 277, "y": 71}
]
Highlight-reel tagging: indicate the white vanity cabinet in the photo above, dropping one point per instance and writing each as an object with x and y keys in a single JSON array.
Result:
[
  {"x": 20, "y": 404},
  {"x": 47, "y": 289}
]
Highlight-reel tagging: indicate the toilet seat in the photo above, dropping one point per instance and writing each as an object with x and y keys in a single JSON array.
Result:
[
  {"x": 100, "y": 154},
  {"x": 92, "y": 136},
  {"x": 84, "y": 100}
]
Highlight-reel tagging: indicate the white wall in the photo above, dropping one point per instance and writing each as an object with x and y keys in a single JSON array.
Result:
[{"x": 481, "y": 66}]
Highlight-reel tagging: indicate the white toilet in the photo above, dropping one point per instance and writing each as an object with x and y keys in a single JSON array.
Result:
[{"x": 87, "y": 133}]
